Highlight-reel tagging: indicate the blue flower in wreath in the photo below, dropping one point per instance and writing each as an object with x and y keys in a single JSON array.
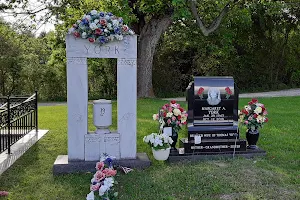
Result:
[
  {"x": 117, "y": 30},
  {"x": 102, "y": 39},
  {"x": 108, "y": 161},
  {"x": 109, "y": 14},
  {"x": 101, "y": 14},
  {"x": 85, "y": 21}
]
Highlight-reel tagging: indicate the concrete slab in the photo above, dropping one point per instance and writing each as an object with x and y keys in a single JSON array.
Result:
[
  {"x": 19, "y": 148},
  {"x": 63, "y": 166}
]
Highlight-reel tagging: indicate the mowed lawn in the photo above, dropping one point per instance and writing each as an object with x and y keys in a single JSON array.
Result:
[{"x": 276, "y": 176}]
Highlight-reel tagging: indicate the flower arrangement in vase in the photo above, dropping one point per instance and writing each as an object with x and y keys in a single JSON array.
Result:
[
  {"x": 253, "y": 116},
  {"x": 172, "y": 116},
  {"x": 103, "y": 181},
  {"x": 160, "y": 144}
]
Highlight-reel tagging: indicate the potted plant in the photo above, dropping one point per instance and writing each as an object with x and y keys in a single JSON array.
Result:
[
  {"x": 171, "y": 118},
  {"x": 253, "y": 116},
  {"x": 160, "y": 144}
]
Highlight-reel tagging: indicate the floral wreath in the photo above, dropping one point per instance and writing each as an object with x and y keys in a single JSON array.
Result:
[{"x": 100, "y": 27}]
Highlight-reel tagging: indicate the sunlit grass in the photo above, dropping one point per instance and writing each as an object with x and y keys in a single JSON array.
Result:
[{"x": 276, "y": 176}]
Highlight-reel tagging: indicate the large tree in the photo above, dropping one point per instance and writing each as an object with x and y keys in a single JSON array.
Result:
[{"x": 149, "y": 18}]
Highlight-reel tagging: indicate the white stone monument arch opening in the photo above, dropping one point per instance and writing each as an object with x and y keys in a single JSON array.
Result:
[{"x": 125, "y": 51}]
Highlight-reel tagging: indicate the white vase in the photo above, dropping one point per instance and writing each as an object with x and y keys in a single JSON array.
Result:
[
  {"x": 167, "y": 131},
  {"x": 161, "y": 154}
]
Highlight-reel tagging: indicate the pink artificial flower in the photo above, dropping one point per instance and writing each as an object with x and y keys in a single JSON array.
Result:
[
  {"x": 109, "y": 172},
  {"x": 99, "y": 165},
  {"x": 75, "y": 25},
  {"x": 250, "y": 118},
  {"x": 265, "y": 112},
  {"x": 178, "y": 122},
  {"x": 170, "y": 109},
  {"x": 103, "y": 22},
  {"x": 3, "y": 193},
  {"x": 246, "y": 122},
  {"x": 98, "y": 31},
  {"x": 125, "y": 28},
  {"x": 76, "y": 34},
  {"x": 164, "y": 107},
  {"x": 99, "y": 176},
  {"x": 173, "y": 118},
  {"x": 179, "y": 117},
  {"x": 169, "y": 121},
  {"x": 95, "y": 187},
  {"x": 184, "y": 123}
]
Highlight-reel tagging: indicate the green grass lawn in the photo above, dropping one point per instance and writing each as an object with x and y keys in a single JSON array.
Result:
[{"x": 276, "y": 176}]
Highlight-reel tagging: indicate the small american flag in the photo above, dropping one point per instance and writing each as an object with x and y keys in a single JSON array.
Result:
[{"x": 126, "y": 170}]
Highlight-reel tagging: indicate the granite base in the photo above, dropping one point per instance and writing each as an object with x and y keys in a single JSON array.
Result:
[
  {"x": 249, "y": 153},
  {"x": 63, "y": 166}
]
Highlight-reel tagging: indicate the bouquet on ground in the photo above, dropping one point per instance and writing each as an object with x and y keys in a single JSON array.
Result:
[
  {"x": 158, "y": 141},
  {"x": 103, "y": 181},
  {"x": 171, "y": 115},
  {"x": 253, "y": 115}
]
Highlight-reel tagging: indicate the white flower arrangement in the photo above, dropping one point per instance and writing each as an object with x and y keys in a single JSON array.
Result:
[{"x": 158, "y": 141}]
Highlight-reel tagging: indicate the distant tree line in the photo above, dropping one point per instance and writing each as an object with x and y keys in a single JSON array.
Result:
[{"x": 258, "y": 43}]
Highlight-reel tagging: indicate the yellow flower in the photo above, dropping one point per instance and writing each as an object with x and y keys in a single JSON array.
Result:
[
  {"x": 176, "y": 112},
  {"x": 258, "y": 110}
]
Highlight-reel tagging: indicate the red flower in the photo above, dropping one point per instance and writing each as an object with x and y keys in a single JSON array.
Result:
[
  {"x": 173, "y": 102},
  {"x": 76, "y": 34},
  {"x": 254, "y": 101},
  {"x": 103, "y": 22},
  {"x": 98, "y": 31},
  {"x": 266, "y": 119},
  {"x": 200, "y": 91},
  {"x": 164, "y": 114},
  {"x": 255, "y": 116},
  {"x": 245, "y": 112},
  {"x": 184, "y": 122},
  {"x": 227, "y": 89},
  {"x": 263, "y": 108},
  {"x": 181, "y": 109},
  {"x": 250, "y": 102},
  {"x": 92, "y": 40},
  {"x": 179, "y": 117}
]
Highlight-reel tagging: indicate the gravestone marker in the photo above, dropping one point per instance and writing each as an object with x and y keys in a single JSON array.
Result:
[{"x": 213, "y": 116}]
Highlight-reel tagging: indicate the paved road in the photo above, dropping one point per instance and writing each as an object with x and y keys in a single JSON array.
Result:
[{"x": 281, "y": 93}]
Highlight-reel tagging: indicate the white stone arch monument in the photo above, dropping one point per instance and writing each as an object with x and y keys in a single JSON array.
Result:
[{"x": 78, "y": 50}]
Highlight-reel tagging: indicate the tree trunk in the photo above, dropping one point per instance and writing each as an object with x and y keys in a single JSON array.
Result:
[{"x": 148, "y": 39}]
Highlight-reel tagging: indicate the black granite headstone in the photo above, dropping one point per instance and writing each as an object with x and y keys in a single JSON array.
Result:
[{"x": 213, "y": 115}]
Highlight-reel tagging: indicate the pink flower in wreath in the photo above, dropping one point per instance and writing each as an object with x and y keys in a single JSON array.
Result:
[
  {"x": 169, "y": 121},
  {"x": 95, "y": 187},
  {"x": 99, "y": 176},
  {"x": 173, "y": 118},
  {"x": 99, "y": 165},
  {"x": 109, "y": 172}
]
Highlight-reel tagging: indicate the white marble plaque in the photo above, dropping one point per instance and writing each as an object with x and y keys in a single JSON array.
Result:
[
  {"x": 78, "y": 47},
  {"x": 98, "y": 144}
]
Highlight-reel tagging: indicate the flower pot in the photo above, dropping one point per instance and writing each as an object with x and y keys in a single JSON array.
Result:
[
  {"x": 161, "y": 154},
  {"x": 252, "y": 138}
]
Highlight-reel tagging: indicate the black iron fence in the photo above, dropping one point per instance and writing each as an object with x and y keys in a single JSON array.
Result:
[{"x": 18, "y": 116}]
